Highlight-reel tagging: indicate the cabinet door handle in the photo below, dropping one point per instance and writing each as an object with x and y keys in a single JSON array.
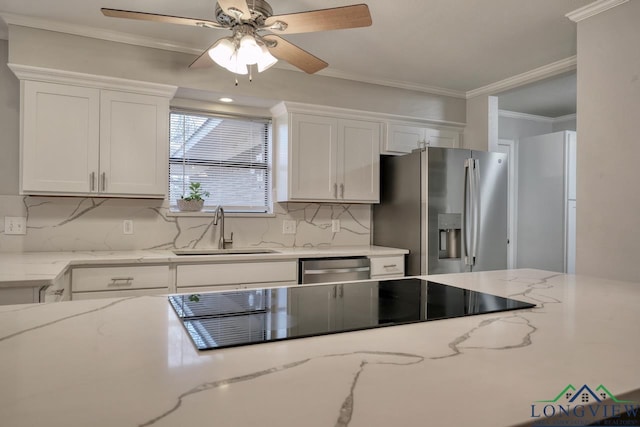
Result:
[
  {"x": 121, "y": 281},
  {"x": 335, "y": 291},
  {"x": 341, "y": 291},
  {"x": 391, "y": 266},
  {"x": 103, "y": 179},
  {"x": 335, "y": 190},
  {"x": 92, "y": 179},
  {"x": 342, "y": 191}
]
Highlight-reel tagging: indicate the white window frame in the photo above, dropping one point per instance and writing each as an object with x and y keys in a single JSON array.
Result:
[{"x": 209, "y": 210}]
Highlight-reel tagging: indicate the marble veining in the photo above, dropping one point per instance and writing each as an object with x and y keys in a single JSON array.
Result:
[
  {"x": 480, "y": 370},
  {"x": 95, "y": 224},
  {"x": 62, "y": 319},
  {"x": 346, "y": 410}
]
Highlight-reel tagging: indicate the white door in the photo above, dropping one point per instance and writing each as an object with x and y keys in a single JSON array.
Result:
[
  {"x": 507, "y": 146},
  {"x": 60, "y": 138},
  {"x": 314, "y": 145},
  {"x": 358, "y": 161},
  {"x": 134, "y": 144}
]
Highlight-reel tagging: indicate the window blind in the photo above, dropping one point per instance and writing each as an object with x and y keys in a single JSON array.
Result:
[{"x": 228, "y": 156}]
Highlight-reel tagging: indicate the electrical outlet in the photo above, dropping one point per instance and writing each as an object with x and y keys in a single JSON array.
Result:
[
  {"x": 127, "y": 226},
  {"x": 335, "y": 225},
  {"x": 288, "y": 226},
  {"x": 15, "y": 225}
]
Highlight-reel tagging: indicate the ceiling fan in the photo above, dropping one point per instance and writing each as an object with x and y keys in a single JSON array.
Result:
[{"x": 248, "y": 19}]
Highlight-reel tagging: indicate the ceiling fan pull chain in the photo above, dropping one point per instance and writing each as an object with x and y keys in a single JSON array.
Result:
[
  {"x": 236, "y": 79},
  {"x": 250, "y": 73}
]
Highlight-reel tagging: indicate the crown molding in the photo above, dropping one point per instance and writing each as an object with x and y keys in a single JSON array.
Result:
[
  {"x": 524, "y": 116},
  {"x": 28, "y": 72},
  {"x": 593, "y": 9},
  {"x": 549, "y": 70},
  {"x": 97, "y": 33},
  {"x": 534, "y": 117},
  {"x": 286, "y": 107},
  {"x": 565, "y": 118}
]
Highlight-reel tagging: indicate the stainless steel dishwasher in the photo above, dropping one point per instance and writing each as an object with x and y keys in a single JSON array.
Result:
[{"x": 322, "y": 270}]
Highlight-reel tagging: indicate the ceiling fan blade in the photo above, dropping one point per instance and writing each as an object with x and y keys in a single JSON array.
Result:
[
  {"x": 230, "y": 6},
  {"x": 320, "y": 20},
  {"x": 294, "y": 55},
  {"x": 204, "y": 60},
  {"x": 143, "y": 16}
]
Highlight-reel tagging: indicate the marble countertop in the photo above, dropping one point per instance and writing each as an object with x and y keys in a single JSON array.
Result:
[
  {"x": 42, "y": 268},
  {"x": 129, "y": 362}
]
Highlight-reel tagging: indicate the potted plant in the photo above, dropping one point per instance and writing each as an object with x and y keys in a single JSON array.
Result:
[{"x": 195, "y": 200}]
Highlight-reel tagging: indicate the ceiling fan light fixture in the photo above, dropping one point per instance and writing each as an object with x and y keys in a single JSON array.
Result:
[
  {"x": 222, "y": 52},
  {"x": 249, "y": 52},
  {"x": 235, "y": 65},
  {"x": 266, "y": 60}
]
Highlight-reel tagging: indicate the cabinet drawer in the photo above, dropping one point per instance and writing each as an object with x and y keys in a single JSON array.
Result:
[
  {"x": 119, "y": 278},
  {"x": 387, "y": 266},
  {"x": 80, "y": 296},
  {"x": 228, "y": 274}
]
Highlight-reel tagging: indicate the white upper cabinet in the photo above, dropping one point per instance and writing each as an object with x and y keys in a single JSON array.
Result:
[
  {"x": 404, "y": 138},
  {"x": 133, "y": 143},
  {"x": 314, "y": 152},
  {"x": 60, "y": 138},
  {"x": 81, "y": 137},
  {"x": 359, "y": 160},
  {"x": 327, "y": 159}
]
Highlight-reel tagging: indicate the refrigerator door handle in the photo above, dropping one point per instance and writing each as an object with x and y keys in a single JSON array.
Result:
[
  {"x": 467, "y": 197},
  {"x": 476, "y": 210}
]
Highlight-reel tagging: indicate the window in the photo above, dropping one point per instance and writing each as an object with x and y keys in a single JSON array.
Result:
[{"x": 229, "y": 156}]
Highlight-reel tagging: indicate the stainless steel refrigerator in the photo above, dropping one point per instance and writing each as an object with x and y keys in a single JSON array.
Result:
[{"x": 447, "y": 206}]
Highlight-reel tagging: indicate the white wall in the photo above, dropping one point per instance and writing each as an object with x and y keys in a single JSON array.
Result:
[
  {"x": 608, "y": 216},
  {"x": 476, "y": 133},
  {"x": 9, "y": 124},
  {"x": 516, "y": 128}
]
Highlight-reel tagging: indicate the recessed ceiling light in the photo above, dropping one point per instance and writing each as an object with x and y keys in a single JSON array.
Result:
[{"x": 226, "y": 100}]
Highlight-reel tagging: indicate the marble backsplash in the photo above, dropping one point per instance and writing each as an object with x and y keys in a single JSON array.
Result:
[{"x": 74, "y": 223}]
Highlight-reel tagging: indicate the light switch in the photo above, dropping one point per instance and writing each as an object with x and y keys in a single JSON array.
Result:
[{"x": 15, "y": 225}]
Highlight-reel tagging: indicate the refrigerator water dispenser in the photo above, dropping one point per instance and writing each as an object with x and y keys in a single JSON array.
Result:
[{"x": 450, "y": 235}]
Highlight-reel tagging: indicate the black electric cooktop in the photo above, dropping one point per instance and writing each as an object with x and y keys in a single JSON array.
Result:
[{"x": 233, "y": 318}]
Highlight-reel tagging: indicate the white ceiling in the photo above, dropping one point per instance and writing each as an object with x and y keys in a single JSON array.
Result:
[{"x": 456, "y": 45}]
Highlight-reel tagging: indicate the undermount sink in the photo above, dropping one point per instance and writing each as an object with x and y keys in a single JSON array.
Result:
[{"x": 239, "y": 251}]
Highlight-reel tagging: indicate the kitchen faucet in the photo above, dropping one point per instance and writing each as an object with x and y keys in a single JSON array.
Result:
[{"x": 219, "y": 216}]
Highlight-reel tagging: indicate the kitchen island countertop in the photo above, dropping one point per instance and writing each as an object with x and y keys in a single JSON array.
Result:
[{"x": 129, "y": 362}]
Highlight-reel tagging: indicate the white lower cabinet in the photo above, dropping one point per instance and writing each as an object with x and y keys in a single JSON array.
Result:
[
  {"x": 387, "y": 266},
  {"x": 238, "y": 275},
  {"x": 323, "y": 308},
  {"x": 121, "y": 281}
]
